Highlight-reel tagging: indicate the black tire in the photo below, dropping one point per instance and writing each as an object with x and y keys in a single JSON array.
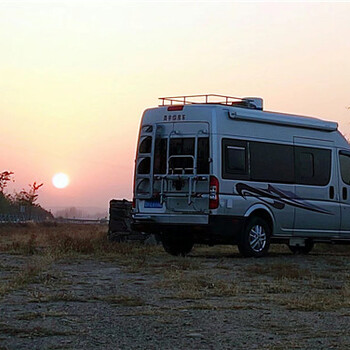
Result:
[
  {"x": 177, "y": 246},
  {"x": 309, "y": 244},
  {"x": 255, "y": 239}
]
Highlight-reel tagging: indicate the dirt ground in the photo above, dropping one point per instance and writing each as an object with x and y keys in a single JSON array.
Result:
[{"x": 138, "y": 297}]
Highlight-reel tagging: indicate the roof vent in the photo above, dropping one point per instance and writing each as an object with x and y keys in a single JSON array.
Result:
[{"x": 254, "y": 102}]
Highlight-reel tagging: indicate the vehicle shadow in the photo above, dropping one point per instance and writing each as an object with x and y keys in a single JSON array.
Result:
[{"x": 276, "y": 251}]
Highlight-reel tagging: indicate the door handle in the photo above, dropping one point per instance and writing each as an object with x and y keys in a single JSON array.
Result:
[
  {"x": 345, "y": 193},
  {"x": 331, "y": 192}
]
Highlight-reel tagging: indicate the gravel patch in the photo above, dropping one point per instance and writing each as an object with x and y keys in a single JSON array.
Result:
[{"x": 212, "y": 299}]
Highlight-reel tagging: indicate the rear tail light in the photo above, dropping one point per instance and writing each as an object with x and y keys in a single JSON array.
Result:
[
  {"x": 213, "y": 193},
  {"x": 176, "y": 108}
]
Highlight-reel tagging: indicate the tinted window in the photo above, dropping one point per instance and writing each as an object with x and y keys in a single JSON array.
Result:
[
  {"x": 143, "y": 186},
  {"x": 182, "y": 146},
  {"x": 144, "y": 166},
  {"x": 271, "y": 162},
  {"x": 203, "y": 156},
  {"x": 345, "y": 167},
  {"x": 146, "y": 145},
  {"x": 305, "y": 165},
  {"x": 160, "y": 153},
  {"x": 181, "y": 155},
  {"x": 312, "y": 166},
  {"x": 235, "y": 159},
  {"x": 279, "y": 163}
]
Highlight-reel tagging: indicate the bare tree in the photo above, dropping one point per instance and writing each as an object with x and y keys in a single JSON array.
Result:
[
  {"x": 5, "y": 178},
  {"x": 29, "y": 197}
]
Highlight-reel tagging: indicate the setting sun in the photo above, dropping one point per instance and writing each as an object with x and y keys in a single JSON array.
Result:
[{"x": 60, "y": 180}]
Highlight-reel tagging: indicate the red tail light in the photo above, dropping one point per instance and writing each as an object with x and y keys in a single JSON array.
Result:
[
  {"x": 133, "y": 203},
  {"x": 213, "y": 193},
  {"x": 175, "y": 108}
]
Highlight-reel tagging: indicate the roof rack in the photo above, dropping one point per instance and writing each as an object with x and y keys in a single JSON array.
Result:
[
  {"x": 244, "y": 102},
  {"x": 202, "y": 99}
]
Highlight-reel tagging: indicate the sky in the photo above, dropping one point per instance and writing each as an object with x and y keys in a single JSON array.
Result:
[{"x": 75, "y": 77}]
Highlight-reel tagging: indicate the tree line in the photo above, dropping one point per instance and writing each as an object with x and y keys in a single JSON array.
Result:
[{"x": 22, "y": 202}]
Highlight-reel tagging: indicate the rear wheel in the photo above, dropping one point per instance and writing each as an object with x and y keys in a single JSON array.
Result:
[
  {"x": 296, "y": 249},
  {"x": 255, "y": 239},
  {"x": 177, "y": 246}
]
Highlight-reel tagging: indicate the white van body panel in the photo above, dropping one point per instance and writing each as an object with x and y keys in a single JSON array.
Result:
[{"x": 181, "y": 197}]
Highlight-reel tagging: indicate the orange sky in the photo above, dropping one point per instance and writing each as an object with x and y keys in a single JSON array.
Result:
[{"x": 75, "y": 77}]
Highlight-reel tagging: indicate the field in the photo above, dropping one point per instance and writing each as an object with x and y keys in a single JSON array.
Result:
[{"x": 67, "y": 287}]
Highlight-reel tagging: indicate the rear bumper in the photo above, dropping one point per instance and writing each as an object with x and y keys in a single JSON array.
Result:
[
  {"x": 204, "y": 228},
  {"x": 172, "y": 219}
]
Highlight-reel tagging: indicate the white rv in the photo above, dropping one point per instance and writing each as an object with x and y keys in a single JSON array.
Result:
[{"x": 214, "y": 169}]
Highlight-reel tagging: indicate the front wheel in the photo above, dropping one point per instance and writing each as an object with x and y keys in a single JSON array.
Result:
[
  {"x": 177, "y": 246},
  {"x": 255, "y": 239}
]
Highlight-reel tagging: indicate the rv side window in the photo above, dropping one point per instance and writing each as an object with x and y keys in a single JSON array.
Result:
[
  {"x": 345, "y": 167},
  {"x": 271, "y": 162},
  {"x": 235, "y": 159},
  {"x": 160, "y": 153},
  {"x": 312, "y": 166},
  {"x": 305, "y": 166}
]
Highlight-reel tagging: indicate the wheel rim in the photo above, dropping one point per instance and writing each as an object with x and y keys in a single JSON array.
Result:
[{"x": 257, "y": 238}]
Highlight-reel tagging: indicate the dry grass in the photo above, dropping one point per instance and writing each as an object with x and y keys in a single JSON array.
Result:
[
  {"x": 299, "y": 288},
  {"x": 25, "y": 276},
  {"x": 283, "y": 270},
  {"x": 68, "y": 296},
  {"x": 281, "y": 286},
  {"x": 316, "y": 302},
  {"x": 60, "y": 296},
  {"x": 179, "y": 264},
  {"x": 122, "y": 300},
  {"x": 292, "y": 282},
  {"x": 69, "y": 276},
  {"x": 46, "y": 244},
  {"x": 64, "y": 240},
  {"x": 29, "y": 316},
  {"x": 331, "y": 297},
  {"x": 31, "y": 332},
  {"x": 186, "y": 285}
]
